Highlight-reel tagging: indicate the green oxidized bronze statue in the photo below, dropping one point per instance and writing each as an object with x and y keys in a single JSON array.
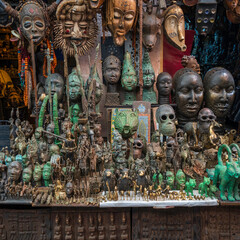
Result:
[
  {"x": 149, "y": 94},
  {"x": 37, "y": 175},
  {"x": 170, "y": 179},
  {"x": 204, "y": 186},
  {"x": 27, "y": 175},
  {"x": 129, "y": 80},
  {"x": 180, "y": 179},
  {"x": 189, "y": 186},
  {"x": 47, "y": 173},
  {"x": 126, "y": 122}
]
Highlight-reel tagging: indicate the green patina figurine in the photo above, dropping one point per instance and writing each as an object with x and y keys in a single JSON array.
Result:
[
  {"x": 226, "y": 175},
  {"x": 47, "y": 173},
  {"x": 37, "y": 175},
  {"x": 75, "y": 110},
  {"x": 126, "y": 122},
  {"x": 149, "y": 94},
  {"x": 129, "y": 80},
  {"x": 180, "y": 179},
  {"x": 204, "y": 186},
  {"x": 27, "y": 175},
  {"x": 189, "y": 186},
  {"x": 170, "y": 179},
  {"x": 157, "y": 180}
]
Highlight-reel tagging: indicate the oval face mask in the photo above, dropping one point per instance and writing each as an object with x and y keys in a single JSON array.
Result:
[
  {"x": 32, "y": 22},
  {"x": 174, "y": 27}
]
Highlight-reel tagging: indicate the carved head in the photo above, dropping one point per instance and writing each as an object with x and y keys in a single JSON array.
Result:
[
  {"x": 27, "y": 174},
  {"x": 164, "y": 84},
  {"x": 121, "y": 16},
  {"x": 180, "y": 177},
  {"x": 148, "y": 71},
  {"x": 112, "y": 69},
  {"x": 75, "y": 24},
  {"x": 129, "y": 76},
  {"x": 205, "y": 119},
  {"x": 75, "y": 83},
  {"x": 137, "y": 148},
  {"x": 219, "y": 91},
  {"x": 174, "y": 27},
  {"x": 126, "y": 122},
  {"x": 47, "y": 171},
  {"x": 69, "y": 189},
  {"x": 50, "y": 137},
  {"x": 169, "y": 178},
  {"x": 191, "y": 62},
  {"x": 188, "y": 88},
  {"x": 14, "y": 171},
  {"x": 166, "y": 119},
  {"x": 57, "y": 85}
]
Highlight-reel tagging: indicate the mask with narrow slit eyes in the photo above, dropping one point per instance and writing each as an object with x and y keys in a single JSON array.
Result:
[
  {"x": 76, "y": 23},
  {"x": 121, "y": 16},
  {"x": 174, "y": 27},
  {"x": 32, "y": 22}
]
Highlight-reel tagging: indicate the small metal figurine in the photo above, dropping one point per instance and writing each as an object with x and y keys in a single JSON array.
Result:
[
  {"x": 149, "y": 94},
  {"x": 152, "y": 22},
  {"x": 129, "y": 80},
  {"x": 76, "y": 23},
  {"x": 204, "y": 186},
  {"x": 117, "y": 22},
  {"x": 166, "y": 119},
  {"x": 47, "y": 174},
  {"x": 189, "y": 186},
  {"x": 109, "y": 181},
  {"x": 164, "y": 87},
  {"x": 191, "y": 62},
  {"x": 188, "y": 88},
  {"x": 180, "y": 180},
  {"x": 219, "y": 92},
  {"x": 174, "y": 27},
  {"x": 37, "y": 175},
  {"x": 111, "y": 74},
  {"x": 125, "y": 182}
]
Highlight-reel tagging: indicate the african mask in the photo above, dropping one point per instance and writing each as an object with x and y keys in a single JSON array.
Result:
[
  {"x": 75, "y": 24},
  {"x": 126, "y": 122},
  {"x": 166, "y": 119},
  {"x": 33, "y": 18},
  {"x": 219, "y": 91},
  {"x": 57, "y": 85},
  {"x": 174, "y": 27},
  {"x": 152, "y": 23},
  {"x": 170, "y": 179},
  {"x": 180, "y": 178},
  {"x": 14, "y": 171},
  {"x": 121, "y": 16},
  {"x": 164, "y": 87},
  {"x": 206, "y": 11},
  {"x": 75, "y": 84},
  {"x": 47, "y": 173},
  {"x": 188, "y": 88},
  {"x": 190, "y": 62},
  {"x": 27, "y": 174},
  {"x": 37, "y": 173}
]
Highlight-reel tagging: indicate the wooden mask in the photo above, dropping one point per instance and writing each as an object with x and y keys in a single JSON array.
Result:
[
  {"x": 174, "y": 27},
  {"x": 121, "y": 17},
  {"x": 76, "y": 23},
  {"x": 152, "y": 23}
]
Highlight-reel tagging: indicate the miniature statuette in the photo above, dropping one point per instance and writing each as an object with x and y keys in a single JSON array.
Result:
[
  {"x": 189, "y": 186},
  {"x": 149, "y": 94},
  {"x": 170, "y": 179},
  {"x": 180, "y": 180},
  {"x": 190, "y": 62},
  {"x": 203, "y": 186},
  {"x": 164, "y": 87},
  {"x": 47, "y": 173}
]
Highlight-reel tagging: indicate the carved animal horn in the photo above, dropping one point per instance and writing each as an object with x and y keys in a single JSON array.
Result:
[
  {"x": 234, "y": 145},
  {"x": 9, "y": 10},
  {"x": 219, "y": 155},
  {"x": 52, "y": 7}
]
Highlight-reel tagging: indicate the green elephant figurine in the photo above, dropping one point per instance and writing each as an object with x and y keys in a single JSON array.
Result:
[{"x": 226, "y": 175}]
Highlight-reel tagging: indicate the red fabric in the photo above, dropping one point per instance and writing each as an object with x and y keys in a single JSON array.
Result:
[{"x": 172, "y": 56}]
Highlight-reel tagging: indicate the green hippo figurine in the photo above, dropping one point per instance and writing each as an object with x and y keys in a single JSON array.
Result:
[
  {"x": 126, "y": 122},
  {"x": 226, "y": 175},
  {"x": 204, "y": 186},
  {"x": 189, "y": 186}
]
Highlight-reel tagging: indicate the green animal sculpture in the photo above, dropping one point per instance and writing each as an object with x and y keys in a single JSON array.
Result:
[
  {"x": 226, "y": 175},
  {"x": 189, "y": 186},
  {"x": 211, "y": 191},
  {"x": 204, "y": 186},
  {"x": 126, "y": 122},
  {"x": 237, "y": 181}
]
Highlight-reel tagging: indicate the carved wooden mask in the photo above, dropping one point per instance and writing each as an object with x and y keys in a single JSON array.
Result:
[
  {"x": 76, "y": 23},
  {"x": 174, "y": 27},
  {"x": 121, "y": 17}
]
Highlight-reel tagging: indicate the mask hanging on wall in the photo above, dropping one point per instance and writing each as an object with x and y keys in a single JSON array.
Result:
[
  {"x": 206, "y": 11},
  {"x": 76, "y": 23},
  {"x": 121, "y": 17},
  {"x": 174, "y": 27}
]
